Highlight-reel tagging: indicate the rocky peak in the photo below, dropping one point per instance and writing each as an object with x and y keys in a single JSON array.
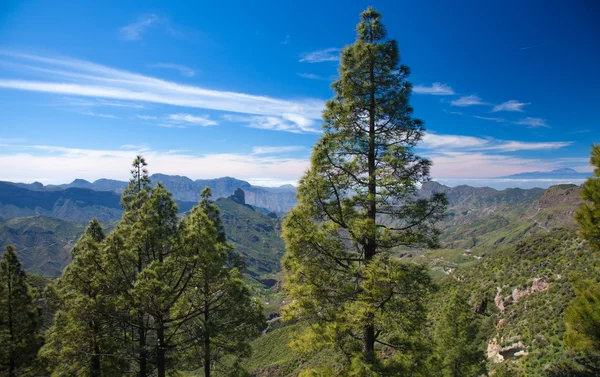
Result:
[{"x": 239, "y": 196}]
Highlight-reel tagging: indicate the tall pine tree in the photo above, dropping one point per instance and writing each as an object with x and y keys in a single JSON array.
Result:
[
  {"x": 457, "y": 345},
  {"x": 588, "y": 215},
  {"x": 19, "y": 318},
  {"x": 83, "y": 340},
  {"x": 357, "y": 202},
  {"x": 218, "y": 313}
]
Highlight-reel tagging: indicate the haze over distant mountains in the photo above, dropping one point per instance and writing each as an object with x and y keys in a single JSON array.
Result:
[
  {"x": 277, "y": 199},
  {"x": 526, "y": 180},
  {"x": 565, "y": 173}
]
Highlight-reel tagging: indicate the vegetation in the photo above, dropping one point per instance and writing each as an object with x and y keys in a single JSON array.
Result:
[
  {"x": 339, "y": 272},
  {"x": 152, "y": 294},
  {"x": 582, "y": 317},
  {"x": 175, "y": 289},
  {"x": 588, "y": 215},
  {"x": 19, "y": 318}
]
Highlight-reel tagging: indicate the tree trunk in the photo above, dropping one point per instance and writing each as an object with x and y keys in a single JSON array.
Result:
[
  {"x": 160, "y": 352},
  {"x": 142, "y": 359},
  {"x": 207, "y": 356},
  {"x": 95, "y": 370},
  {"x": 371, "y": 242},
  {"x": 11, "y": 356}
]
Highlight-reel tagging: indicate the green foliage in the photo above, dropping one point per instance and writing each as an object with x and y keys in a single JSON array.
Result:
[
  {"x": 19, "y": 318},
  {"x": 83, "y": 340},
  {"x": 588, "y": 215},
  {"x": 42, "y": 243},
  {"x": 582, "y": 318},
  {"x": 537, "y": 319},
  {"x": 255, "y": 236},
  {"x": 222, "y": 315},
  {"x": 363, "y": 175},
  {"x": 458, "y": 352}
]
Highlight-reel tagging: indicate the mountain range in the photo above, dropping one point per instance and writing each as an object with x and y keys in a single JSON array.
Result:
[
  {"x": 44, "y": 221},
  {"x": 565, "y": 173},
  {"x": 277, "y": 199}
]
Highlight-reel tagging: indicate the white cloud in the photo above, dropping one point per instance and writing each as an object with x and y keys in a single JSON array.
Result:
[
  {"x": 312, "y": 76},
  {"x": 203, "y": 121},
  {"x": 183, "y": 70},
  {"x": 286, "y": 40},
  {"x": 327, "y": 55},
  {"x": 511, "y": 105},
  {"x": 134, "y": 31},
  {"x": 101, "y": 115},
  {"x": 513, "y": 146},
  {"x": 533, "y": 122},
  {"x": 275, "y": 150},
  {"x": 468, "y": 101},
  {"x": 146, "y": 117},
  {"x": 50, "y": 164},
  {"x": 480, "y": 164},
  {"x": 499, "y": 120},
  {"x": 84, "y": 79},
  {"x": 436, "y": 88},
  {"x": 445, "y": 143},
  {"x": 79, "y": 102},
  {"x": 135, "y": 147},
  {"x": 435, "y": 141},
  {"x": 286, "y": 122}
]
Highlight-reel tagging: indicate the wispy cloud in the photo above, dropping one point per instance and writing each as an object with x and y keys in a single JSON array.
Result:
[
  {"x": 469, "y": 156},
  {"x": 468, "y": 101},
  {"x": 146, "y": 117},
  {"x": 276, "y": 150},
  {"x": 499, "y": 120},
  {"x": 183, "y": 70},
  {"x": 312, "y": 76},
  {"x": 85, "y": 79},
  {"x": 55, "y": 164},
  {"x": 530, "y": 47},
  {"x": 194, "y": 120},
  {"x": 327, "y": 55},
  {"x": 89, "y": 103},
  {"x": 533, "y": 122},
  {"x": 135, "y": 30},
  {"x": 135, "y": 147},
  {"x": 286, "y": 122},
  {"x": 511, "y": 105},
  {"x": 442, "y": 143},
  {"x": 101, "y": 115},
  {"x": 286, "y": 40},
  {"x": 436, "y": 88}
]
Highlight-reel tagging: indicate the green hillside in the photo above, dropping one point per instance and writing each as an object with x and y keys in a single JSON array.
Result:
[
  {"x": 254, "y": 234},
  {"x": 521, "y": 293},
  {"x": 42, "y": 243}
]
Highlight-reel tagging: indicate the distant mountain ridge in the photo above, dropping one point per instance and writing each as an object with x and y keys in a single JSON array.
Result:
[
  {"x": 277, "y": 199},
  {"x": 565, "y": 173}
]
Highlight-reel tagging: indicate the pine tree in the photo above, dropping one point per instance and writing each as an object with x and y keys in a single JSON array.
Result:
[
  {"x": 83, "y": 339},
  {"x": 582, "y": 317},
  {"x": 457, "y": 346},
  {"x": 358, "y": 202},
  {"x": 165, "y": 275},
  {"x": 588, "y": 215},
  {"x": 19, "y": 318},
  {"x": 219, "y": 314}
]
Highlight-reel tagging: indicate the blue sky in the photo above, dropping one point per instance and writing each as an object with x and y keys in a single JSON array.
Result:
[{"x": 210, "y": 89}]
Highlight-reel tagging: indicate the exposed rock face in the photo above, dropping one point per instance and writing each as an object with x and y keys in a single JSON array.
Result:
[
  {"x": 493, "y": 351},
  {"x": 539, "y": 285},
  {"x": 239, "y": 196},
  {"x": 498, "y": 354},
  {"x": 499, "y": 300}
]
